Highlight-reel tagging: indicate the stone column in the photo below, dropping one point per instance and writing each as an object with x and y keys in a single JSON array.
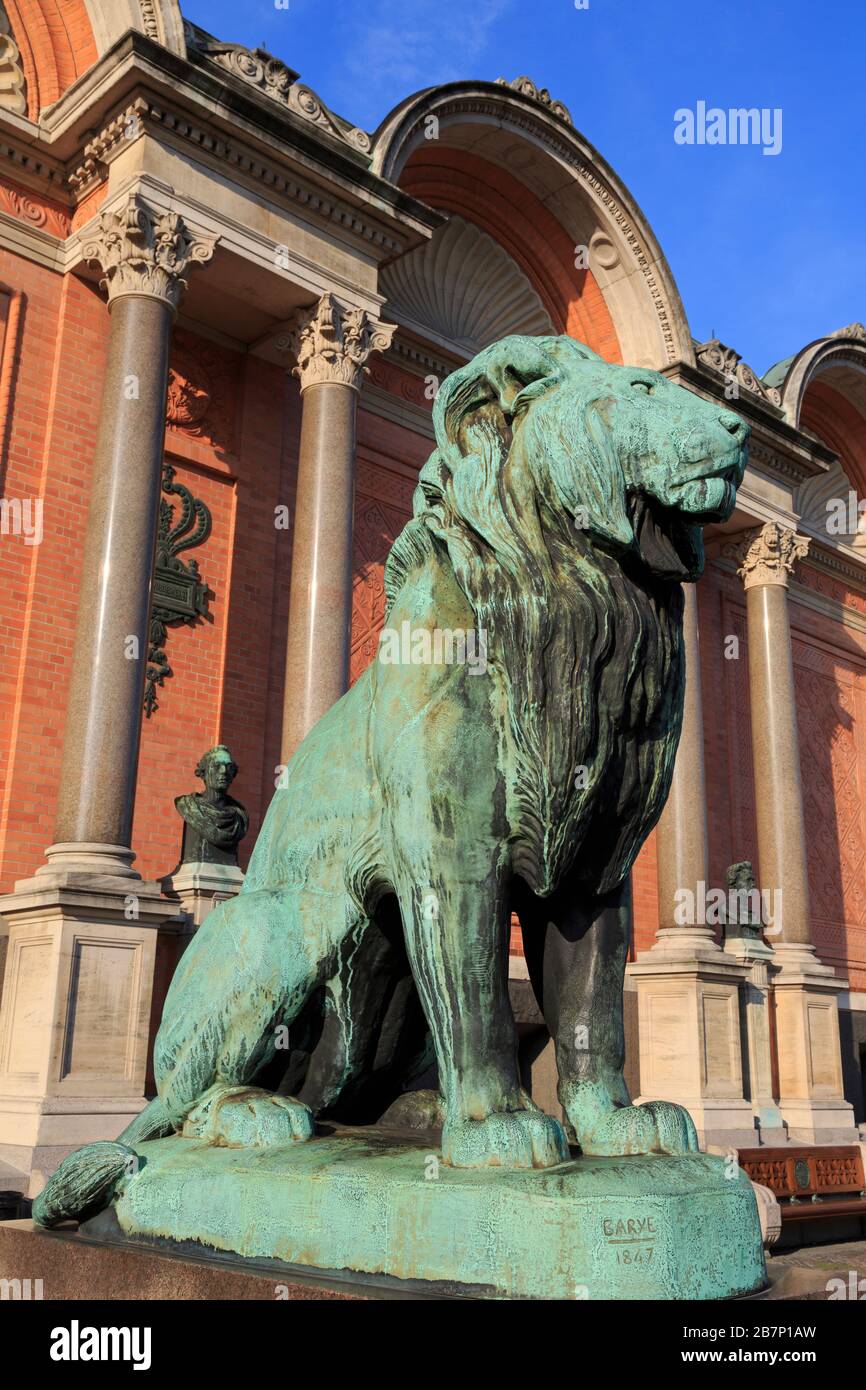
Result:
[
  {"x": 331, "y": 345},
  {"x": 144, "y": 256},
  {"x": 688, "y": 988},
  {"x": 77, "y": 988},
  {"x": 681, "y": 838},
  {"x": 805, "y": 991}
]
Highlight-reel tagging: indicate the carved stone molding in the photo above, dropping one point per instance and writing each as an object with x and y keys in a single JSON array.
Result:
[
  {"x": 767, "y": 554},
  {"x": 32, "y": 208},
  {"x": 527, "y": 88},
  {"x": 145, "y": 252},
  {"x": 332, "y": 343},
  {"x": 13, "y": 85},
  {"x": 730, "y": 365},
  {"x": 851, "y": 330},
  {"x": 274, "y": 79}
]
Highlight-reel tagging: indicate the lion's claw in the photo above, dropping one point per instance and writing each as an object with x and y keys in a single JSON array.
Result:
[{"x": 657, "y": 1126}]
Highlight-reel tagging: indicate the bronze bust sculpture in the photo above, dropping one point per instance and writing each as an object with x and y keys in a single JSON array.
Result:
[{"x": 214, "y": 823}]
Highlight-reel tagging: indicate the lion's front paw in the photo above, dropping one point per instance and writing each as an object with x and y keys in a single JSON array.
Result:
[
  {"x": 248, "y": 1117},
  {"x": 524, "y": 1138},
  {"x": 654, "y": 1127}
]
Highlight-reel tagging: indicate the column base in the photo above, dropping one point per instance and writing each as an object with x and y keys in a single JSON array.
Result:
[
  {"x": 83, "y": 862},
  {"x": 688, "y": 999},
  {"x": 811, "y": 1098},
  {"x": 75, "y": 1013}
]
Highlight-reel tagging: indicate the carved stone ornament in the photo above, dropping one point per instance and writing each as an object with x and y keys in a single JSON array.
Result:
[
  {"x": 527, "y": 88},
  {"x": 767, "y": 554},
  {"x": 13, "y": 85},
  {"x": 274, "y": 79},
  {"x": 851, "y": 330},
  {"x": 332, "y": 343},
  {"x": 730, "y": 365},
  {"x": 180, "y": 596},
  {"x": 145, "y": 252}
]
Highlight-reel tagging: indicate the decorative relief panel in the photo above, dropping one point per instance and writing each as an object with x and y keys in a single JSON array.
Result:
[
  {"x": 36, "y": 211},
  {"x": 202, "y": 392},
  {"x": 377, "y": 525}
]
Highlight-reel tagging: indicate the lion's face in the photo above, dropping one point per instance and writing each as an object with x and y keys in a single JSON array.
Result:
[{"x": 638, "y": 462}]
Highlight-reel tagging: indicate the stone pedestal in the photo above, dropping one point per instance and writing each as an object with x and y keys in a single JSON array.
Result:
[
  {"x": 199, "y": 887},
  {"x": 757, "y": 957},
  {"x": 381, "y": 1203},
  {"x": 75, "y": 1014},
  {"x": 811, "y": 1099},
  {"x": 689, "y": 1009}
]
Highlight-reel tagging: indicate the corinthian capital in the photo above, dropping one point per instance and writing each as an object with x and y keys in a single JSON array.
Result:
[
  {"x": 145, "y": 252},
  {"x": 767, "y": 554},
  {"x": 332, "y": 343}
]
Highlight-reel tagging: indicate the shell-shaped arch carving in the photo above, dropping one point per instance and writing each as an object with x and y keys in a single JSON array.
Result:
[{"x": 463, "y": 288}]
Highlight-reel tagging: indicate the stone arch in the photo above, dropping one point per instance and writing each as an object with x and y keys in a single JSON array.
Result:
[
  {"x": 823, "y": 389},
  {"x": 58, "y": 40},
  {"x": 515, "y": 165}
]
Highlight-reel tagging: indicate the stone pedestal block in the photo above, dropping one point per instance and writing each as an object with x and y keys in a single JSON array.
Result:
[
  {"x": 378, "y": 1202},
  {"x": 74, "y": 1015},
  {"x": 757, "y": 957},
  {"x": 689, "y": 1010},
  {"x": 811, "y": 1098},
  {"x": 199, "y": 887}
]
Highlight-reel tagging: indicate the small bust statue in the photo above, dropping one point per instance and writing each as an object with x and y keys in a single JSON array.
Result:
[
  {"x": 744, "y": 901},
  {"x": 214, "y": 823}
]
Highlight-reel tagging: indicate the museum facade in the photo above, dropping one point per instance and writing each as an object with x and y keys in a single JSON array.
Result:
[{"x": 224, "y": 314}]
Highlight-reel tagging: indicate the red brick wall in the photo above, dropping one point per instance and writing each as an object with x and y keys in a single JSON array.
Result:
[{"x": 49, "y": 444}]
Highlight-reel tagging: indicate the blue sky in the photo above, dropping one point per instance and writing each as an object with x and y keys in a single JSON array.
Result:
[{"x": 769, "y": 252}]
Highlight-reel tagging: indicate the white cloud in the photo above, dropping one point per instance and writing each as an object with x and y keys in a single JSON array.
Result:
[{"x": 393, "y": 49}]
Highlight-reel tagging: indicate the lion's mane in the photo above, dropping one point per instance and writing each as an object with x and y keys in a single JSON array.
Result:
[{"x": 588, "y": 640}]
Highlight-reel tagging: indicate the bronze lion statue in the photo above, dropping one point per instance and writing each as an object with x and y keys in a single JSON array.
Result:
[{"x": 554, "y": 524}]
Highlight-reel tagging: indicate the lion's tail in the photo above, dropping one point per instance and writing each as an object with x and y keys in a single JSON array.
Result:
[{"x": 88, "y": 1180}]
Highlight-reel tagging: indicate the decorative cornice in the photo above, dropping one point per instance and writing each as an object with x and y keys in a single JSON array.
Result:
[
  {"x": 767, "y": 554},
  {"x": 729, "y": 364},
  {"x": 527, "y": 88},
  {"x": 332, "y": 343},
  {"x": 271, "y": 77},
  {"x": 145, "y": 252},
  {"x": 143, "y": 111}
]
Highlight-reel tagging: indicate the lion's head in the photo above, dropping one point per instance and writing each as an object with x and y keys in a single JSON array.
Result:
[
  {"x": 570, "y": 494},
  {"x": 636, "y": 461}
]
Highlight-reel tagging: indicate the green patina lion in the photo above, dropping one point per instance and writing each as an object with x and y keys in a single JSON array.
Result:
[{"x": 554, "y": 523}]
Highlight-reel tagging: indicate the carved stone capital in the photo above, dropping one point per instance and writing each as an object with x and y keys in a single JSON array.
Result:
[
  {"x": 332, "y": 343},
  {"x": 767, "y": 554},
  {"x": 145, "y": 252}
]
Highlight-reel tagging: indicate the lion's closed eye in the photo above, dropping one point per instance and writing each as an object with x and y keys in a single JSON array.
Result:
[{"x": 646, "y": 386}]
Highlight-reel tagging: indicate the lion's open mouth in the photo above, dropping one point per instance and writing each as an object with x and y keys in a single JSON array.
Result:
[{"x": 669, "y": 545}]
